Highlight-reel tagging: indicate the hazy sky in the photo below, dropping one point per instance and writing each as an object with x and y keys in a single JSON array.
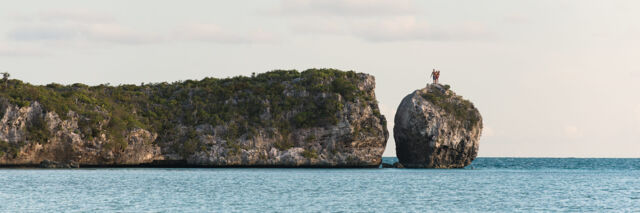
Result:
[{"x": 552, "y": 78}]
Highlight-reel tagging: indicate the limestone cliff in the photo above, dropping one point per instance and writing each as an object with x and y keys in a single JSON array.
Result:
[
  {"x": 315, "y": 118},
  {"x": 435, "y": 128}
]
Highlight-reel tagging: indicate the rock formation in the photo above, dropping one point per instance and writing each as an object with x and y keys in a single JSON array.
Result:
[
  {"x": 435, "y": 128},
  {"x": 315, "y": 118}
]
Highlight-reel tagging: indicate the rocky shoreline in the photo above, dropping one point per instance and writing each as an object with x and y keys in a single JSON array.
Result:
[{"x": 162, "y": 164}]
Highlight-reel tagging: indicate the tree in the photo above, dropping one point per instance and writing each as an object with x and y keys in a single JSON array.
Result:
[{"x": 5, "y": 78}]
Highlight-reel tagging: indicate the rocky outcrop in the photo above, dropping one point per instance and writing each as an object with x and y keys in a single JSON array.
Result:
[
  {"x": 386, "y": 165},
  {"x": 316, "y": 118},
  {"x": 396, "y": 165},
  {"x": 435, "y": 128},
  {"x": 53, "y": 164},
  {"x": 64, "y": 142}
]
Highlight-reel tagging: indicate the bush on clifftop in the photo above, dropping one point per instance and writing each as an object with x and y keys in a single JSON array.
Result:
[{"x": 454, "y": 105}]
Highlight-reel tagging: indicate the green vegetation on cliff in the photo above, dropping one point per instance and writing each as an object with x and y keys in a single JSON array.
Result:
[
  {"x": 237, "y": 102},
  {"x": 8, "y": 148},
  {"x": 460, "y": 108}
]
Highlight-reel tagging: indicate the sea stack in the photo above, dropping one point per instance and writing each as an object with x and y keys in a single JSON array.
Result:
[
  {"x": 283, "y": 118},
  {"x": 435, "y": 128}
]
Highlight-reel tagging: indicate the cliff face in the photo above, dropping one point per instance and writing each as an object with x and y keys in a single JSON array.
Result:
[
  {"x": 324, "y": 118},
  {"x": 22, "y": 144},
  {"x": 435, "y": 128}
]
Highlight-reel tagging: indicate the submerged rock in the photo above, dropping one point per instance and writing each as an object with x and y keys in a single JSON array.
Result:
[
  {"x": 315, "y": 118},
  {"x": 394, "y": 165},
  {"x": 398, "y": 165},
  {"x": 54, "y": 164},
  {"x": 386, "y": 165},
  {"x": 435, "y": 128}
]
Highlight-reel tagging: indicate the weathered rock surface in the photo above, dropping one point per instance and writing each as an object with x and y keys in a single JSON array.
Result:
[
  {"x": 65, "y": 143},
  {"x": 53, "y": 164},
  {"x": 435, "y": 128},
  {"x": 291, "y": 136}
]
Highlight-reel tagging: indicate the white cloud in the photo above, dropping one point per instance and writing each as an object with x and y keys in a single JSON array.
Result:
[
  {"x": 373, "y": 20},
  {"x": 76, "y": 26},
  {"x": 82, "y": 28},
  {"x": 217, "y": 34},
  {"x": 119, "y": 34},
  {"x": 347, "y": 7},
  {"x": 389, "y": 29},
  {"x": 71, "y": 16},
  {"x": 43, "y": 32},
  {"x": 102, "y": 32},
  {"x": 409, "y": 28},
  {"x": 322, "y": 26},
  {"x": 572, "y": 131}
]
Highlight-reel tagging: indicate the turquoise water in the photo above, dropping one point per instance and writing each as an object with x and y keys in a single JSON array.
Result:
[{"x": 490, "y": 184}]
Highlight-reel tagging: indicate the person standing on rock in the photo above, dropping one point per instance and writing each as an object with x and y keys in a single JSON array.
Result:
[{"x": 435, "y": 75}]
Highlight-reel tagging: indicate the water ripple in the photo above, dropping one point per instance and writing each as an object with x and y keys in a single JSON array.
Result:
[{"x": 502, "y": 185}]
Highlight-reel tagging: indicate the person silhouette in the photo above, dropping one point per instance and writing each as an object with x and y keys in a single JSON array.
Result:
[{"x": 434, "y": 76}]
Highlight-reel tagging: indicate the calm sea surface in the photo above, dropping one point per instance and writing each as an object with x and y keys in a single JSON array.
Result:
[{"x": 489, "y": 184}]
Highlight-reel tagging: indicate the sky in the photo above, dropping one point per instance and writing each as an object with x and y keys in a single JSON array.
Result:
[{"x": 551, "y": 78}]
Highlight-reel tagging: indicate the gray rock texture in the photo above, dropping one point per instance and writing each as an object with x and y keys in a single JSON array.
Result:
[
  {"x": 435, "y": 128},
  {"x": 65, "y": 143},
  {"x": 355, "y": 138}
]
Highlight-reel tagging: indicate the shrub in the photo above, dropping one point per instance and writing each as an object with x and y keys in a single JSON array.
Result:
[
  {"x": 283, "y": 144},
  {"x": 345, "y": 88},
  {"x": 7, "y": 148},
  {"x": 311, "y": 154},
  {"x": 310, "y": 138},
  {"x": 461, "y": 109},
  {"x": 38, "y": 131},
  {"x": 189, "y": 147},
  {"x": 233, "y": 147}
]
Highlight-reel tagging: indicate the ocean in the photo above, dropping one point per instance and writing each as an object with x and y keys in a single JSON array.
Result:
[{"x": 488, "y": 185}]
